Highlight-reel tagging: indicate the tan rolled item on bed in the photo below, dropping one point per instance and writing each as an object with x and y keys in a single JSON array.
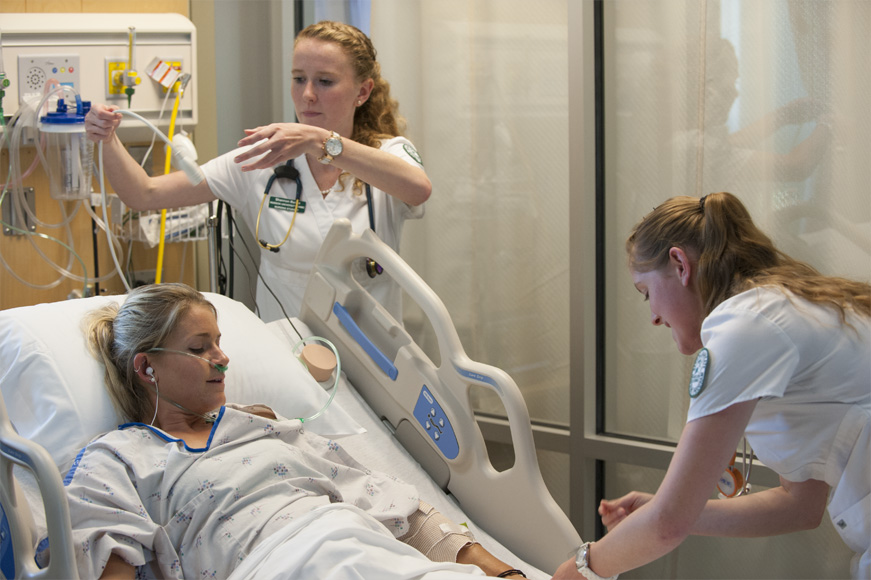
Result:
[
  {"x": 319, "y": 360},
  {"x": 435, "y": 536}
]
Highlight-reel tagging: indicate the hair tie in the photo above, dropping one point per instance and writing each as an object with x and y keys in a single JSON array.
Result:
[{"x": 702, "y": 203}]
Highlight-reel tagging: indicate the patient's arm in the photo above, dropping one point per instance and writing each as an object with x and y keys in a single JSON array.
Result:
[
  {"x": 116, "y": 567},
  {"x": 491, "y": 565},
  {"x": 441, "y": 540}
]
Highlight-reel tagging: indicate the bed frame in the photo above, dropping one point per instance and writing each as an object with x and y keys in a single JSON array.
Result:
[
  {"x": 428, "y": 407},
  {"x": 17, "y": 526}
]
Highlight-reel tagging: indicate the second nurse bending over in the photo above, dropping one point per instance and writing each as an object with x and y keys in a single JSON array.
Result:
[
  {"x": 784, "y": 357},
  {"x": 347, "y": 137}
]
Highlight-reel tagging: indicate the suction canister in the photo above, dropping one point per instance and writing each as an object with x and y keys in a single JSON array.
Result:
[{"x": 69, "y": 153}]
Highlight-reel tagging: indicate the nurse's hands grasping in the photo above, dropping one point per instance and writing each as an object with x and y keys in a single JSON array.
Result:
[
  {"x": 277, "y": 143},
  {"x": 615, "y": 511},
  {"x": 101, "y": 122}
]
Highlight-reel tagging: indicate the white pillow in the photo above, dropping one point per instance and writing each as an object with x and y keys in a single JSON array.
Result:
[{"x": 55, "y": 393}]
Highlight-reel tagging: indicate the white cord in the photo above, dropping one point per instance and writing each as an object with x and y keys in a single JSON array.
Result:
[{"x": 106, "y": 220}]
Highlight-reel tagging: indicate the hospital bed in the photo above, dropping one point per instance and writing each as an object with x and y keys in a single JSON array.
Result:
[{"x": 395, "y": 411}]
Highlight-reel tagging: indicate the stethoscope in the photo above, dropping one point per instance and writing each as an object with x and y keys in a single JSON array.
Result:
[
  {"x": 735, "y": 482},
  {"x": 288, "y": 171}
]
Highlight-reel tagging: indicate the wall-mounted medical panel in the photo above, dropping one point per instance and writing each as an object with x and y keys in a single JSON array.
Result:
[{"x": 93, "y": 54}]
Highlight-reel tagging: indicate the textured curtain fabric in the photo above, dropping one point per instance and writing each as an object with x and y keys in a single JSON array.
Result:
[{"x": 484, "y": 86}]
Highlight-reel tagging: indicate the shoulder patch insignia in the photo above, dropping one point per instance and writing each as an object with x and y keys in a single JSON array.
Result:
[
  {"x": 700, "y": 370},
  {"x": 413, "y": 153}
]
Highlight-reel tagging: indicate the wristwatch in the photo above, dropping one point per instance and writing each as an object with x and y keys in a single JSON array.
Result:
[
  {"x": 582, "y": 561},
  {"x": 332, "y": 148}
]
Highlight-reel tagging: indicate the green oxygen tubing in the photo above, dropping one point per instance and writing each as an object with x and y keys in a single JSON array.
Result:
[{"x": 337, "y": 373}]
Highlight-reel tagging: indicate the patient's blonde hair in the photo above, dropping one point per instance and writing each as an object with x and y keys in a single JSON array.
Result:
[{"x": 115, "y": 335}]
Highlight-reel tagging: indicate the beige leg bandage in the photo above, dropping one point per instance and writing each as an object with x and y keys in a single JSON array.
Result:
[{"x": 435, "y": 536}]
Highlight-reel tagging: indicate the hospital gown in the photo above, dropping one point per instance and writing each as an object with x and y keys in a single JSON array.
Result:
[{"x": 197, "y": 513}]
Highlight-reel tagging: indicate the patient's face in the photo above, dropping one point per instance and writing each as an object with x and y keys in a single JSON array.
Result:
[{"x": 187, "y": 380}]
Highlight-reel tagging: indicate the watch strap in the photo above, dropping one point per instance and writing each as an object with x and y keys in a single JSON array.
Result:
[
  {"x": 327, "y": 158},
  {"x": 582, "y": 561}
]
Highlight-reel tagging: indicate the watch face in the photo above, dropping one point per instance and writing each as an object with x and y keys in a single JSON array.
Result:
[{"x": 333, "y": 146}]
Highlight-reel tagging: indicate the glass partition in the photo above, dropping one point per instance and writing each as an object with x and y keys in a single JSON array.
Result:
[{"x": 766, "y": 100}]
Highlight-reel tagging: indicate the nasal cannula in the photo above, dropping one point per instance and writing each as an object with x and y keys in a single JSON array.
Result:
[{"x": 224, "y": 368}]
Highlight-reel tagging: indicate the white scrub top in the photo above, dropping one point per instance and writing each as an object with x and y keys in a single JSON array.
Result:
[
  {"x": 812, "y": 378},
  {"x": 287, "y": 271}
]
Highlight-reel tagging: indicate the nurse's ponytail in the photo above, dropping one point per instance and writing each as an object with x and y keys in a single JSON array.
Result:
[{"x": 733, "y": 255}]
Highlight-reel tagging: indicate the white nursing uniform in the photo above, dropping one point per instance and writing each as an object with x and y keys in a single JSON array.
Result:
[
  {"x": 287, "y": 271},
  {"x": 177, "y": 512},
  {"x": 812, "y": 378}
]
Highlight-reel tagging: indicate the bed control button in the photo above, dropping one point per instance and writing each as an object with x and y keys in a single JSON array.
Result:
[{"x": 432, "y": 417}]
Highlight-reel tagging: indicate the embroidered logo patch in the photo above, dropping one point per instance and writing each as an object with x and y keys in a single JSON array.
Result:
[
  {"x": 700, "y": 370},
  {"x": 413, "y": 153}
]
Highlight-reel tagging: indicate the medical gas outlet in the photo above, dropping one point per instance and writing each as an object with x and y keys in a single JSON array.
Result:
[{"x": 120, "y": 81}]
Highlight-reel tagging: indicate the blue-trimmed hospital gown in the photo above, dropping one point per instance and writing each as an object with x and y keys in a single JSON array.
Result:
[{"x": 141, "y": 493}]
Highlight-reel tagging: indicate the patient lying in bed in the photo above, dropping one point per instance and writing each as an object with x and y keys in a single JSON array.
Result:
[{"x": 191, "y": 487}]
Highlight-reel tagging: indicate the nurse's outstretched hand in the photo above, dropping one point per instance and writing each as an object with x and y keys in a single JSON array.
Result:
[
  {"x": 274, "y": 144},
  {"x": 616, "y": 510},
  {"x": 101, "y": 122}
]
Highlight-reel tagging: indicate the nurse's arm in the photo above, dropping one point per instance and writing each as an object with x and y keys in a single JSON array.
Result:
[
  {"x": 277, "y": 142},
  {"x": 660, "y": 525},
  {"x": 792, "y": 507},
  {"x": 387, "y": 172},
  {"x": 133, "y": 185},
  {"x": 141, "y": 192}
]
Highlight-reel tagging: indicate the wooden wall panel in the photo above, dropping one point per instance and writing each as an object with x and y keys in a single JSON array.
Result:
[
  {"x": 179, "y": 262},
  {"x": 13, "y": 6}
]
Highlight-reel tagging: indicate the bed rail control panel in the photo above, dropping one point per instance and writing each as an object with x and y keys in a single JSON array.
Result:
[{"x": 432, "y": 417}]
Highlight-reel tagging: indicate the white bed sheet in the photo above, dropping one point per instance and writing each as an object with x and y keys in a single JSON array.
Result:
[
  {"x": 379, "y": 450},
  {"x": 376, "y": 448}
]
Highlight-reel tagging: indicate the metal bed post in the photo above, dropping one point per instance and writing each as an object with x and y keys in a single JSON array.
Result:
[{"x": 213, "y": 248}]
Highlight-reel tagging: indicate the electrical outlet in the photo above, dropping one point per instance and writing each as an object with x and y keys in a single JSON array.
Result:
[
  {"x": 165, "y": 72},
  {"x": 175, "y": 64}
]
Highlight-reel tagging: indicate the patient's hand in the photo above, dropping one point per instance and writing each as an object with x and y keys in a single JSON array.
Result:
[
  {"x": 117, "y": 568},
  {"x": 475, "y": 553},
  {"x": 615, "y": 511}
]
